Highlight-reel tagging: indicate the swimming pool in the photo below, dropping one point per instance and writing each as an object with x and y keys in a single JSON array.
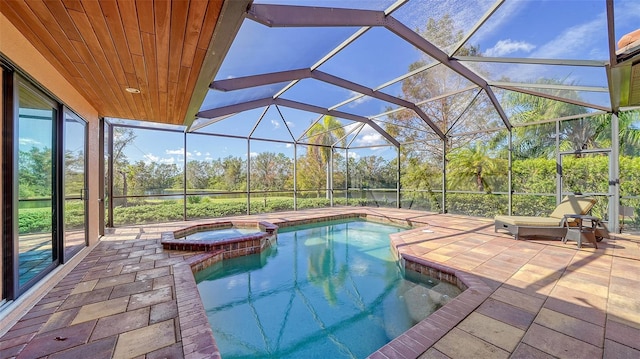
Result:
[{"x": 330, "y": 290}]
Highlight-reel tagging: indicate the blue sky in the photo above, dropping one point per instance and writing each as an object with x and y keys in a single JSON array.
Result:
[{"x": 553, "y": 29}]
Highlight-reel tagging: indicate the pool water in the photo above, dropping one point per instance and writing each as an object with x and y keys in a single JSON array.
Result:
[
  {"x": 221, "y": 234},
  {"x": 328, "y": 291}
]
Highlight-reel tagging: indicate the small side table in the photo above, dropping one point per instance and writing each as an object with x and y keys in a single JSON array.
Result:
[{"x": 582, "y": 231}]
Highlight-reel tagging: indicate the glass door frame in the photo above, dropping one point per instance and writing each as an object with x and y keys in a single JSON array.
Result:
[
  {"x": 13, "y": 81},
  {"x": 8, "y": 163},
  {"x": 14, "y": 288},
  {"x": 69, "y": 114}
]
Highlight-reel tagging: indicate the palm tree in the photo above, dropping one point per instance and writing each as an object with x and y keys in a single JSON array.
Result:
[
  {"x": 629, "y": 131},
  {"x": 324, "y": 270},
  {"x": 323, "y": 135},
  {"x": 539, "y": 140},
  {"x": 584, "y": 133},
  {"x": 595, "y": 132},
  {"x": 472, "y": 164}
]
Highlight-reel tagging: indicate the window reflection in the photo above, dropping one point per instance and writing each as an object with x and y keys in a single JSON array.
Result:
[
  {"x": 36, "y": 117},
  {"x": 74, "y": 185}
]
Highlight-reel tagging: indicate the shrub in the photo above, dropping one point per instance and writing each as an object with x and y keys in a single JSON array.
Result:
[
  {"x": 477, "y": 204},
  {"x": 34, "y": 220},
  {"x": 529, "y": 176}
]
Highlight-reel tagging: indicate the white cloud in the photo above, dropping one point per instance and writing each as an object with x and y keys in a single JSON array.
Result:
[
  {"x": 580, "y": 39},
  {"x": 148, "y": 158},
  {"x": 198, "y": 153},
  {"x": 354, "y": 155},
  {"x": 367, "y": 135},
  {"x": 253, "y": 154},
  {"x": 275, "y": 124},
  {"x": 369, "y": 139},
  {"x": 288, "y": 145},
  {"x": 290, "y": 124},
  {"x": 574, "y": 40},
  {"x": 350, "y": 127},
  {"x": 28, "y": 142},
  {"x": 508, "y": 46},
  {"x": 179, "y": 151},
  {"x": 360, "y": 100}
]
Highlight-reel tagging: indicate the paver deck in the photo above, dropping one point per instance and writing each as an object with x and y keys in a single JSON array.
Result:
[{"x": 129, "y": 298}]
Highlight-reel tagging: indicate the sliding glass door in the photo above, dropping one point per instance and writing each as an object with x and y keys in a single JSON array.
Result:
[
  {"x": 35, "y": 128},
  {"x": 75, "y": 185},
  {"x": 44, "y": 184}
]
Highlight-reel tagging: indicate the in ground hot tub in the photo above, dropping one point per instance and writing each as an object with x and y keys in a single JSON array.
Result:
[{"x": 231, "y": 238}]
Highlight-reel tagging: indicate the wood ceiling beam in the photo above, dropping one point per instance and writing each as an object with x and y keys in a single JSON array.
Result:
[
  {"x": 227, "y": 25},
  {"x": 102, "y": 47}
]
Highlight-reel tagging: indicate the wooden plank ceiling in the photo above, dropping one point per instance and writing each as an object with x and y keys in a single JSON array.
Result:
[{"x": 103, "y": 47}]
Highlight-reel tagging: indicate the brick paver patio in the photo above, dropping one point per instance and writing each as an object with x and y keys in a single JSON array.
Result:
[{"x": 129, "y": 298}]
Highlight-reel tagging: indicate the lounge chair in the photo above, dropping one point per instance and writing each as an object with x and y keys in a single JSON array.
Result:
[{"x": 555, "y": 225}]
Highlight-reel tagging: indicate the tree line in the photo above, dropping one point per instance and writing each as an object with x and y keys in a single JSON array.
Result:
[{"x": 474, "y": 160}]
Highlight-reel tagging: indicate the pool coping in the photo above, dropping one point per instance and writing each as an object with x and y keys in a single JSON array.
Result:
[
  {"x": 419, "y": 338},
  {"x": 530, "y": 280},
  {"x": 199, "y": 341}
]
